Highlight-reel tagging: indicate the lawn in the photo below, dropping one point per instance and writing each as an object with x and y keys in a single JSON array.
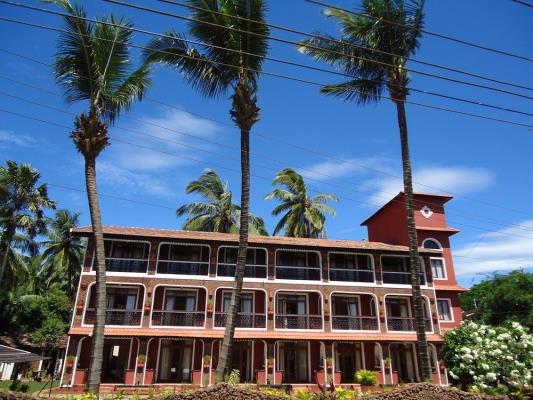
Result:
[{"x": 34, "y": 386}]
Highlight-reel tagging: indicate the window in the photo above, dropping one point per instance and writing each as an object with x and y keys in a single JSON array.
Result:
[
  {"x": 350, "y": 267},
  {"x": 397, "y": 270},
  {"x": 183, "y": 259},
  {"x": 437, "y": 268},
  {"x": 124, "y": 256},
  {"x": 256, "y": 262},
  {"x": 122, "y": 298},
  {"x": 431, "y": 244},
  {"x": 300, "y": 265},
  {"x": 444, "y": 307}
]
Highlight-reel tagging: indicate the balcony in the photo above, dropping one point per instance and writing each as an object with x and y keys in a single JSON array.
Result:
[
  {"x": 354, "y": 323},
  {"x": 256, "y": 262},
  {"x": 115, "y": 317},
  {"x": 182, "y": 268},
  {"x": 298, "y": 321},
  {"x": 298, "y": 265},
  {"x": 126, "y": 265},
  {"x": 179, "y": 259},
  {"x": 346, "y": 267},
  {"x": 250, "y": 271},
  {"x": 244, "y": 320},
  {"x": 405, "y": 324},
  {"x": 126, "y": 256},
  {"x": 397, "y": 270},
  {"x": 351, "y": 275},
  {"x": 401, "y": 278},
  {"x": 178, "y": 318}
]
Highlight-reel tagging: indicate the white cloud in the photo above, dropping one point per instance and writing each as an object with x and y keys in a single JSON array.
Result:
[
  {"x": 328, "y": 170},
  {"x": 11, "y": 138},
  {"x": 170, "y": 134},
  {"x": 454, "y": 179},
  {"x": 508, "y": 249}
]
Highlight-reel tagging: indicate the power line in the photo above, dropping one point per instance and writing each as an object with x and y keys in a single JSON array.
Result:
[
  {"x": 439, "y": 35},
  {"x": 386, "y": 195},
  {"x": 349, "y": 44},
  {"x": 274, "y": 139},
  {"x": 524, "y": 3},
  {"x": 238, "y": 172},
  {"x": 291, "y": 42},
  {"x": 282, "y": 76}
]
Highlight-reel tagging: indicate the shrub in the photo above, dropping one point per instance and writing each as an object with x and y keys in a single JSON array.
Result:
[
  {"x": 234, "y": 377},
  {"x": 87, "y": 396},
  {"x": 304, "y": 394},
  {"x": 19, "y": 386},
  {"x": 343, "y": 394},
  {"x": 366, "y": 378}
]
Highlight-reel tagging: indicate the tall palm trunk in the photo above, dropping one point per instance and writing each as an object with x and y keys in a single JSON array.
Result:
[
  {"x": 95, "y": 371},
  {"x": 10, "y": 232},
  {"x": 244, "y": 113},
  {"x": 418, "y": 303}
]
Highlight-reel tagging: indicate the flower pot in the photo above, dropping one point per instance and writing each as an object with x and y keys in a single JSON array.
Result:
[
  {"x": 129, "y": 378},
  {"x": 206, "y": 366},
  {"x": 261, "y": 376},
  {"x": 79, "y": 377},
  {"x": 149, "y": 376},
  {"x": 69, "y": 364}
]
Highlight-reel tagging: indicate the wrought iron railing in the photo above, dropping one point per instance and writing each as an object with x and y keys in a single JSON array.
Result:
[
  {"x": 298, "y": 321},
  {"x": 354, "y": 323},
  {"x": 250, "y": 271},
  {"x": 183, "y": 267},
  {"x": 178, "y": 318},
  {"x": 115, "y": 317},
  {"x": 401, "y": 278},
  {"x": 351, "y": 275},
  {"x": 125, "y": 265},
  {"x": 405, "y": 324},
  {"x": 244, "y": 320},
  {"x": 298, "y": 273}
]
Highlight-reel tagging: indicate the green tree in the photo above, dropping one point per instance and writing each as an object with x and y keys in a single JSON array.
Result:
[
  {"x": 22, "y": 208},
  {"x": 375, "y": 51},
  {"x": 217, "y": 213},
  {"x": 303, "y": 215},
  {"x": 63, "y": 252},
  {"x": 501, "y": 298},
  {"x": 214, "y": 70},
  {"x": 93, "y": 64}
]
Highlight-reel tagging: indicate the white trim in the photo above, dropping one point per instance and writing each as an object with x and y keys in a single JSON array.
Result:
[
  {"x": 450, "y": 308},
  {"x": 299, "y": 292},
  {"x": 173, "y": 287},
  {"x": 288, "y": 266},
  {"x": 350, "y": 269},
  {"x": 358, "y": 295},
  {"x": 436, "y": 358},
  {"x": 182, "y": 275},
  {"x": 433, "y": 240},
  {"x": 410, "y": 311},
  {"x": 445, "y": 278},
  {"x": 146, "y": 360}
]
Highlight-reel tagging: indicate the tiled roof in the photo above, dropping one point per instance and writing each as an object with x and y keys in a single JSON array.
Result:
[
  {"x": 450, "y": 288},
  {"x": 255, "y": 334},
  {"x": 254, "y": 240}
]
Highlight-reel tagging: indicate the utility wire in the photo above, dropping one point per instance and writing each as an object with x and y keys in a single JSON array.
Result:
[
  {"x": 271, "y": 138},
  {"x": 238, "y": 172},
  {"x": 439, "y": 35},
  {"x": 282, "y": 76},
  {"x": 349, "y": 44},
  {"x": 291, "y": 42},
  {"x": 524, "y": 3}
]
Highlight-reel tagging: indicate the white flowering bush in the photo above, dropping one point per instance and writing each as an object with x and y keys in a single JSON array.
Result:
[{"x": 484, "y": 358}]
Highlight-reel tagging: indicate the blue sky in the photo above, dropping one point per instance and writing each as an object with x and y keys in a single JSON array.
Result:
[{"x": 479, "y": 161}]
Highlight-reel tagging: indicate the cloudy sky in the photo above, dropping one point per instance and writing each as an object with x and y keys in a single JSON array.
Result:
[{"x": 352, "y": 152}]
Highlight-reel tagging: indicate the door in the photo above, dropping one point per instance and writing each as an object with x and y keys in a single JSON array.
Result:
[
  {"x": 402, "y": 363},
  {"x": 348, "y": 361},
  {"x": 116, "y": 354},
  {"x": 175, "y": 361},
  {"x": 241, "y": 360},
  {"x": 293, "y": 362}
]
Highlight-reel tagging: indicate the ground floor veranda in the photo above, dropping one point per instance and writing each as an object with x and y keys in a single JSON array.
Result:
[{"x": 183, "y": 361}]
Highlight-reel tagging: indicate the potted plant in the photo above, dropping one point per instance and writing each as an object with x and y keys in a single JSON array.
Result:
[
  {"x": 210, "y": 306},
  {"x": 387, "y": 362},
  {"x": 326, "y": 311},
  {"x": 329, "y": 362},
  {"x": 207, "y": 361},
  {"x": 270, "y": 362},
  {"x": 70, "y": 361},
  {"x": 148, "y": 305},
  {"x": 141, "y": 360},
  {"x": 442, "y": 365}
]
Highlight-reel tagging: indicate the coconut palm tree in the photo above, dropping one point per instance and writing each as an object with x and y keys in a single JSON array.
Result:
[
  {"x": 63, "y": 252},
  {"x": 213, "y": 70},
  {"x": 22, "y": 208},
  {"x": 303, "y": 216},
  {"x": 93, "y": 64},
  {"x": 218, "y": 213},
  {"x": 383, "y": 40}
]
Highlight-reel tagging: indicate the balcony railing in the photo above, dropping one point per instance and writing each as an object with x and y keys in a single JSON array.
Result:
[
  {"x": 250, "y": 271},
  {"x": 354, "y": 323},
  {"x": 405, "y": 324},
  {"x": 244, "y": 320},
  {"x": 351, "y": 275},
  {"x": 178, "y": 318},
  {"x": 298, "y": 321},
  {"x": 401, "y": 278},
  {"x": 183, "y": 267},
  {"x": 298, "y": 273},
  {"x": 125, "y": 265},
  {"x": 115, "y": 317}
]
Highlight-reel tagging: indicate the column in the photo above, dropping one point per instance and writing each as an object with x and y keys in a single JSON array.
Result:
[{"x": 271, "y": 362}]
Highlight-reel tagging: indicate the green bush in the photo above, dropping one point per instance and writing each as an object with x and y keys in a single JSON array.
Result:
[
  {"x": 304, "y": 394},
  {"x": 366, "y": 378},
  {"x": 234, "y": 377}
]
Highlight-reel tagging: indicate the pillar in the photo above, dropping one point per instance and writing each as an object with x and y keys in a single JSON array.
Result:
[{"x": 271, "y": 362}]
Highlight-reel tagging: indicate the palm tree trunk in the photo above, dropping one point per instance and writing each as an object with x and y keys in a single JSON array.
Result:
[
  {"x": 94, "y": 378},
  {"x": 10, "y": 232},
  {"x": 224, "y": 362},
  {"x": 418, "y": 302}
]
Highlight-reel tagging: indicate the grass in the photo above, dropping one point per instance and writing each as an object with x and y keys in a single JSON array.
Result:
[{"x": 34, "y": 386}]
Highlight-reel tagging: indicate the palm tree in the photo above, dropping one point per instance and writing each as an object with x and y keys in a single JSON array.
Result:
[
  {"x": 63, "y": 253},
  {"x": 218, "y": 213},
  {"x": 382, "y": 41},
  {"x": 304, "y": 216},
  {"x": 93, "y": 64},
  {"x": 22, "y": 208},
  {"x": 214, "y": 70}
]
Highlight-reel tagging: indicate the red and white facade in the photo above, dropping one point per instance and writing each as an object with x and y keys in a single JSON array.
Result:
[{"x": 313, "y": 311}]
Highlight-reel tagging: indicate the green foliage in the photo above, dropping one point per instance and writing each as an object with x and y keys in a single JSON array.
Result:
[
  {"x": 87, "y": 396},
  {"x": 218, "y": 213},
  {"x": 18, "y": 386},
  {"x": 49, "y": 334},
  {"x": 275, "y": 392},
  {"x": 304, "y": 394},
  {"x": 234, "y": 377},
  {"x": 344, "y": 394},
  {"x": 502, "y": 298},
  {"x": 303, "y": 216},
  {"x": 366, "y": 378},
  {"x": 485, "y": 358}
]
